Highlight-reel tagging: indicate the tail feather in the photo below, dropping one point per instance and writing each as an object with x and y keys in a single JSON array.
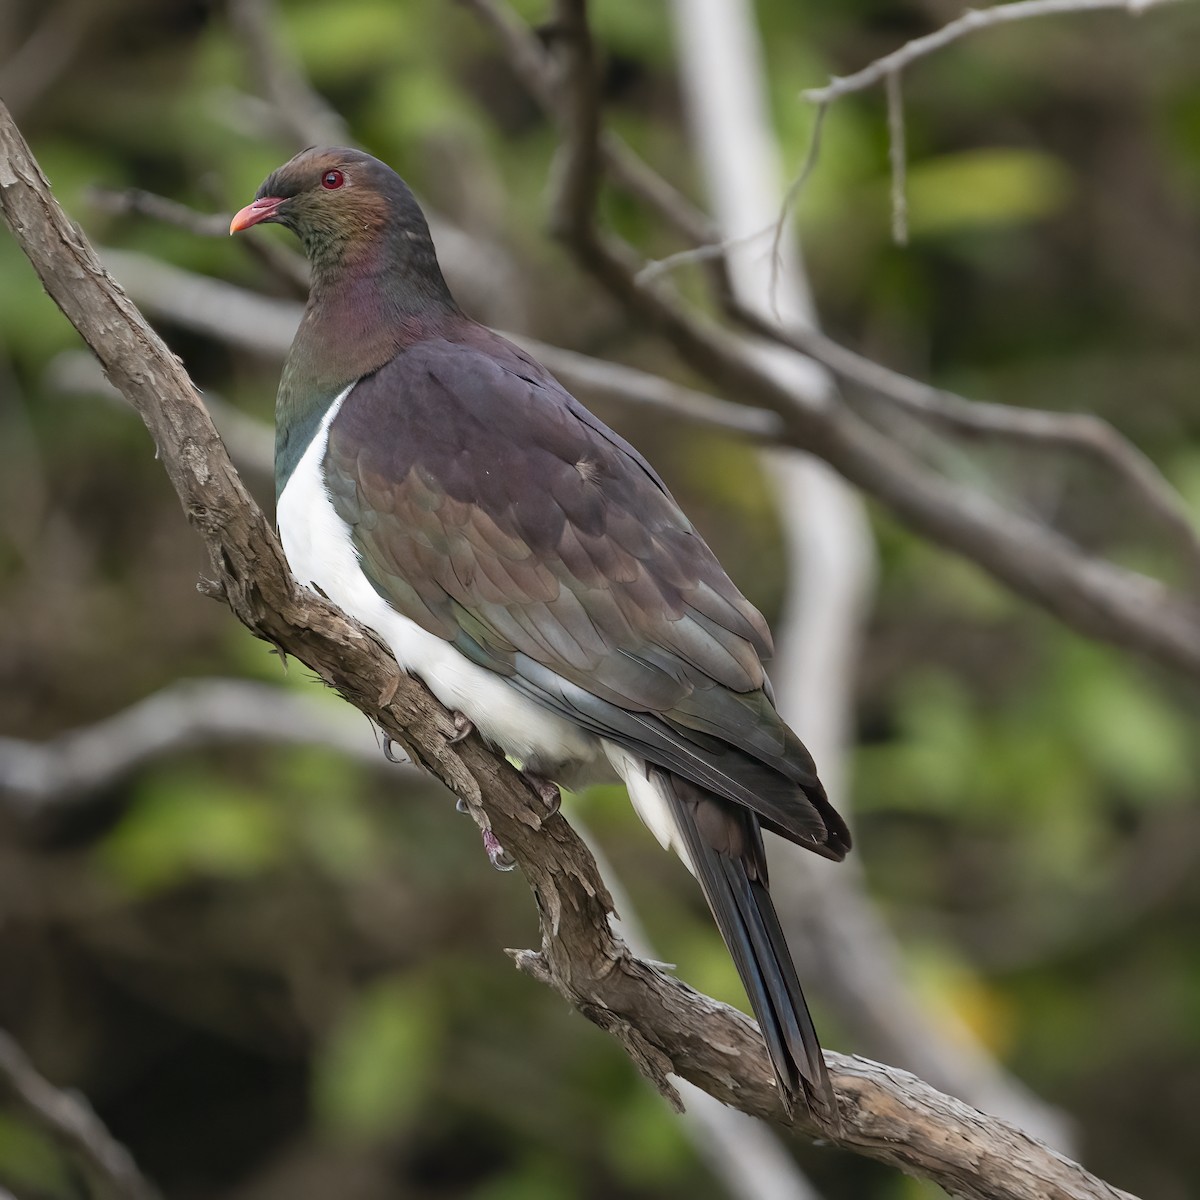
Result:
[{"x": 725, "y": 852}]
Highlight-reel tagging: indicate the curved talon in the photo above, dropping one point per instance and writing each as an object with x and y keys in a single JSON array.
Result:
[
  {"x": 497, "y": 855},
  {"x": 460, "y": 805},
  {"x": 390, "y": 754},
  {"x": 547, "y": 789},
  {"x": 463, "y": 725}
]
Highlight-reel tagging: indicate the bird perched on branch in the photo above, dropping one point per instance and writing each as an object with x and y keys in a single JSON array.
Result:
[{"x": 528, "y": 564}]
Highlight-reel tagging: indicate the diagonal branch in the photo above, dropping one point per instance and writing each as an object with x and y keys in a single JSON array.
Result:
[
  {"x": 663, "y": 1024},
  {"x": 258, "y": 323},
  {"x": 69, "y": 1121},
  {"x": 301, "y": 113},
  {"x": 1084, "y": 434},
  {"x": 1093, "y": 596}
]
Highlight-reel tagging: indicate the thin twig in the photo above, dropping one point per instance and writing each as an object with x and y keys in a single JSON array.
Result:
[
  {"x": 1095, "y": 597},
  {"x": 658, "y": 267},
  {"x": 897, "y": 158},
  {"x": 300, "y": 111},
  {"x": 791, "y": 198},
  {"x": 70, "y": 1121},
  {"x": 292, "y": 268},
  {"x": 137, "y": 201},
  {"x": 49, "y": 50},
  {"x": 973, "y": 20}
]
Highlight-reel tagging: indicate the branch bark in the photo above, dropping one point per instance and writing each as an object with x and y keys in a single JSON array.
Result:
[
  {"x": 832, "y": 562},
  {"x": 664, "y": 1025}
]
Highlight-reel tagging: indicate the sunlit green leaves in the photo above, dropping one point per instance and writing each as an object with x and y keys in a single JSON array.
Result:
[
  {"x": 372, "y": 1071},
  {"x": 30, "y": 1163},
  {"x": 984, "y": 188},
  {"x": 193, "y": 825}
]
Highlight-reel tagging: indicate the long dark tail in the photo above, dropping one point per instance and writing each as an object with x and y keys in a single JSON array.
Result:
[{"x": 725, "y": 845}]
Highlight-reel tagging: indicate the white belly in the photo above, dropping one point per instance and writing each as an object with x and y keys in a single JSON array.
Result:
[{"x": 320, "y": 552}]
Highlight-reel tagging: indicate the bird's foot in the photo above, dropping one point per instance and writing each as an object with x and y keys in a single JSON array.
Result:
[
  {"x": 497, "y": 855},
  {"x": 389, "y": 751},
  {"x": 547, "y": 789},
  {"x": 463, "y": 726}
]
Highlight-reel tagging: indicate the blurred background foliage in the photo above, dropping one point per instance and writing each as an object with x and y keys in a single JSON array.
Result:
[{"x": 277, "y": 973}]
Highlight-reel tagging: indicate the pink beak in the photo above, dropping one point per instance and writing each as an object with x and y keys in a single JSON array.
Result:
[{"x": 256, "y": 212}]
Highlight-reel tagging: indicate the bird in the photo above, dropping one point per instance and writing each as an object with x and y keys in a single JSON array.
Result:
[{"x": 524, "y": 561}]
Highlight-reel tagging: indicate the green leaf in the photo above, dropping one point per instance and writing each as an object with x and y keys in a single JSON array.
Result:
[
  {"x": 29, "y": 1162},
  {"x": 984, "y": 189},
  {"x": 191, "y": 825},
  {"x": 372, "y": 1072}
]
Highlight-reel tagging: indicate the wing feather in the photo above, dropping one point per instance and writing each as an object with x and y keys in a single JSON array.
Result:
[{"x": 493, "y": 510}]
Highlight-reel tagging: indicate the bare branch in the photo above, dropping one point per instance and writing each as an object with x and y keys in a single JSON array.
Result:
[
  {"x": 624, "y": 166},
  {"x": 68, "y": 1119},
  {"x": 139, "y": 202},
  {"x": 78, "y": 764},
  {"x": 301, "y": 112},
  {"x": 578, "y": 167},
  {"x": 244, "y": 318},
  {"x": 973, "y": 20},
  {"x": 1093, "y": 596},
  {"x": 663, "y": 1024},
  {"x": 1084, "y": 434},
  {"x": 48, "y": 51},
  {"x": 897, "y": 158},
  {"x": 292, "y": 268},
  {"x": 250, "y": 442}
]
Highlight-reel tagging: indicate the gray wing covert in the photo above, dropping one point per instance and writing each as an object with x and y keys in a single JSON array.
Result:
[{"x": 494, "y": 511}]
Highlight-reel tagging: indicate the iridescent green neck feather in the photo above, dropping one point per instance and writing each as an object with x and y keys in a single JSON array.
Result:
[{"x": 376, "y": 287}]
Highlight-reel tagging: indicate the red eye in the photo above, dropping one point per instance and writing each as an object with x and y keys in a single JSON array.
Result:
[{"x": 332, "y": 179}]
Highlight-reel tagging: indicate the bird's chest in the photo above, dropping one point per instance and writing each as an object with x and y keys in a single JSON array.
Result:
[{"x": 321, "y": 553}]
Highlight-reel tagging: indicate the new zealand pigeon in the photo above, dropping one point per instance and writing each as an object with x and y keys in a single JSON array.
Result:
[{"x": 529, "y": 565}]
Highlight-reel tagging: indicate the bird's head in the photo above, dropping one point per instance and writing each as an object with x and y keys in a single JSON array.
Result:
[{"x": 344, "y": 206}]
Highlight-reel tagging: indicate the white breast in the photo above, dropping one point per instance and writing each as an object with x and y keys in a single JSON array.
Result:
[{"x": 320, "y": 552}]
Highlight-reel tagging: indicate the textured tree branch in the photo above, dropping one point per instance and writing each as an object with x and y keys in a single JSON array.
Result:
[
  {"x": 1083, "y": 434},
  {"x": 69, "y": 1121},
  {"x": 858, "y": 966},
  {"x": 663, "y": 1024}
]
